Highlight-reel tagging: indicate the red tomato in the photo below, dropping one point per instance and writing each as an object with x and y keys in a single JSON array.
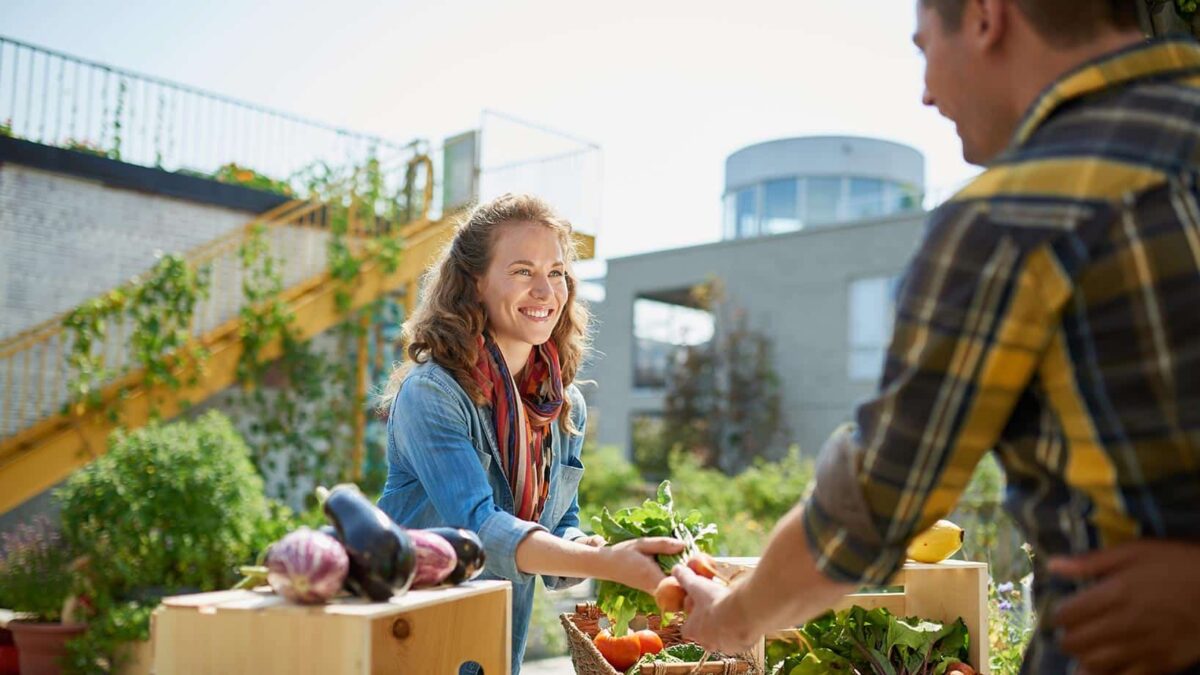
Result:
[
  {"x": 620, "y": 652},
  {"x": 650, "y": 642}
]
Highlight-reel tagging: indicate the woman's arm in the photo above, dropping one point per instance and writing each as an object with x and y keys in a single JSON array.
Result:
[
  {"x": 429, "y": 426},
  {"x": 631, "y": 562}
]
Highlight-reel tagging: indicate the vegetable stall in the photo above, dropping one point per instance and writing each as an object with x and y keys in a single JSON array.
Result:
[{"x": 931, "y": 620}]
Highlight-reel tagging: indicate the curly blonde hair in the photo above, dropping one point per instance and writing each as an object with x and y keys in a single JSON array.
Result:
[{"x": 449, "y": 319}]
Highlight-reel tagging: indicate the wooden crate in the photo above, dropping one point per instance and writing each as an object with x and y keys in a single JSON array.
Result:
[
  {"x": 943, "y": 592},
  {"x": 427, "y": 632}
]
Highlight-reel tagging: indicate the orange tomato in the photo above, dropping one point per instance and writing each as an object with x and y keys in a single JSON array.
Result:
[
  {"x": 703, "y": 564},
  {"x": 650, "y": 642},
  {"x": 669, "y": 595},
  {"x": 620, "y": 652}
]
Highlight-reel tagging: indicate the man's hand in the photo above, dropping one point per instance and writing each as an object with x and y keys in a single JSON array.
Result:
[
  {"x": 1142, "y": 612},
  {"x": 595, "y": 541},
  {"x": 715, "y": 619}
]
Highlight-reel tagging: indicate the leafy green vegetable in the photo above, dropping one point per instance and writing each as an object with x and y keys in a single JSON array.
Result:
[
  {"x": 654, "y": 518},
  {"x": 870, "y": 641},
  {"x": 682, "y": 653}
]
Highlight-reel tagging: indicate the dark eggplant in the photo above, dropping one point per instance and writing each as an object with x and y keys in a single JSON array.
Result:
[
  {"x": 349, "y": 584},
  {"x": 469, "y": 550},
  {"x": 383, "y": 560}
]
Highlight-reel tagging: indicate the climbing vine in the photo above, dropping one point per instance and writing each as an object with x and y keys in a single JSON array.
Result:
[
  {"x": 297, "y": 407},
  {"x": 157, "y": 310}
]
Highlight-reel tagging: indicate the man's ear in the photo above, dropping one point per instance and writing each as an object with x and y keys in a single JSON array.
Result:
[{"x": 986, "y": 21}]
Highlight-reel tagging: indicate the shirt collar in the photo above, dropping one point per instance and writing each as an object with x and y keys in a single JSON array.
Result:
[{"x": 1148, "y": 60}]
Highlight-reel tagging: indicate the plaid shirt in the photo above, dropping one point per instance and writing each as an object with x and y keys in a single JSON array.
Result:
[{"x": 1051, "y": 315}]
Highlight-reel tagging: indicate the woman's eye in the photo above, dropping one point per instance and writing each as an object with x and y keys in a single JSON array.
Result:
[
  {"x": 557, "y": 273},
  {"x": 523, "y": 272}
]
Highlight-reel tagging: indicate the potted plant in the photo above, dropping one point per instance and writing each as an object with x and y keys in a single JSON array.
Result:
[{"x": 35, "y": 581}]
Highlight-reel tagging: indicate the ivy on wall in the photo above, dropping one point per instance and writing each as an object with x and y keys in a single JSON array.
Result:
[{"x": 299, "y": 410}]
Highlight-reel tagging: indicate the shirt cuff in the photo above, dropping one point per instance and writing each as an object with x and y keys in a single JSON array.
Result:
[
  {"x": 842, "y": 534},
  {"x": 501, "y": 534}
]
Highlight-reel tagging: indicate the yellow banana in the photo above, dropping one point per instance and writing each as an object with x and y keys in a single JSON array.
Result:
[{"x": 937, "y": 543}]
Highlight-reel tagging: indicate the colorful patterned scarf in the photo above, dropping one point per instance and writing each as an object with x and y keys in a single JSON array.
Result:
[{"x": 523, "y": 430}]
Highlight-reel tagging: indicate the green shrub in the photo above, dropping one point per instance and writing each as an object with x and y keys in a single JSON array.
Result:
[
  {"x": 746, "y": 506},
  {"x": 170, "y": 509},
  {"x": 608, "y": 480}
]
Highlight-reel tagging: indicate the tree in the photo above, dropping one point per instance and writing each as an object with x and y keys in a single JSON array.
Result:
[{"x": 723, "y": 400}]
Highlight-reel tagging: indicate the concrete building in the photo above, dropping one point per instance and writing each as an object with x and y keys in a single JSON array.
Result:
[{"x": 816, "y": 233}]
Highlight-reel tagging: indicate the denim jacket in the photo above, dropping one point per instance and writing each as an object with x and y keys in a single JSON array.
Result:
[{"x": 444, "y": 470}]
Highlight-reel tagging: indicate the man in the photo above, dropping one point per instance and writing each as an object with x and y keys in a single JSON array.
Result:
[{"x": 1049, "y": 314}]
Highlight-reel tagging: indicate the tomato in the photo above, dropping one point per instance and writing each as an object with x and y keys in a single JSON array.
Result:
[
  {"x": 669, "y": 595},
  {"x": 650, "y": 642},
  {"x": 620, "y": 652}
]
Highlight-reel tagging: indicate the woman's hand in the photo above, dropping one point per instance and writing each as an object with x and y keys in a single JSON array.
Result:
[{"x": 632, "y": 562}]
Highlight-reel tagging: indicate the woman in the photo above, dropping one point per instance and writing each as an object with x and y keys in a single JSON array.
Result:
[{"x": 485, "y": 425}]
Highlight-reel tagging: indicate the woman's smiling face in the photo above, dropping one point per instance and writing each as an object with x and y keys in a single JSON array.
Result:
[{"x": 524, "y": 289}]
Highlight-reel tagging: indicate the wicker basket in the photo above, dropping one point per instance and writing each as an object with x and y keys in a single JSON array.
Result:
[{"x": 584, "y": 624}]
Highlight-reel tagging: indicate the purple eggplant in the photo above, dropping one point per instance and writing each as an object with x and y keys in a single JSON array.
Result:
[{"x": 467, "y": 548}]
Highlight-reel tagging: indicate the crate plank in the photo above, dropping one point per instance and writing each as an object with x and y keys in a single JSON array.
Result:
[{"x": 429, "y": 631}]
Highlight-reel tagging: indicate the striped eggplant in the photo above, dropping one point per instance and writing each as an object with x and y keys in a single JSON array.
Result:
[
  {"x": 436, "y": 558},
  {"x": 469, "y": 550},
  {"x": 307, "y": 566}
]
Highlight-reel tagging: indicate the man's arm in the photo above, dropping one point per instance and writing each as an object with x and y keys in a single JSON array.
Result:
[
  {"x": 977, "y": 309},
  {"x": 785, "y": 589}
]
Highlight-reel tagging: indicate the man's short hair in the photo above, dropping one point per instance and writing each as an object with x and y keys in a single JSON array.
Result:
[{"x": 1063, "y": 23}]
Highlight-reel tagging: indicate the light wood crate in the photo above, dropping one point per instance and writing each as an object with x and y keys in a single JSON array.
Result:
[
  {"x": 942, "y": 592},
  {"x": 422, "y": 632}
]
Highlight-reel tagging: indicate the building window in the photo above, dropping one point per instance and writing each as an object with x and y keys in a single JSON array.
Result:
[
  {"x": 660, "y": 331},
  {"x": 824, "y": 195},
  {"x": 747, "y": 212},
  {"x": 866, "y": 198},
  {"x": 729, "y": 220},
  {"x": 871, "y": 312},
  {"x": 780, "y": 209}
]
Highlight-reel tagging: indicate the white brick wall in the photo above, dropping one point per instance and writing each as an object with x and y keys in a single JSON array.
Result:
[{"x": 64, "y": 239}]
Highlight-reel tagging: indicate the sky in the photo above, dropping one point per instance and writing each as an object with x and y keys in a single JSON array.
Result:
[{"x": 666, "y": 89}]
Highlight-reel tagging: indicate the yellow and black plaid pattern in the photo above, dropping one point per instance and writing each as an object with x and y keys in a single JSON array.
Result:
[{"x": 1052, "y": 314}]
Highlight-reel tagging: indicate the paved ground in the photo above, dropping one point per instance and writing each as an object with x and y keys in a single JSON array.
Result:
[{"x": 557, "y": 666}]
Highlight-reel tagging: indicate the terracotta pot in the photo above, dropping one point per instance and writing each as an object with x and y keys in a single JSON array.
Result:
[{"x": 41, "y": 646}]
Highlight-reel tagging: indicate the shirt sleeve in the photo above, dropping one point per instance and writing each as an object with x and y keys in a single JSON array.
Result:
[
  {"x": 430, "y": 427},
  {"x": 976, "y": 310}
]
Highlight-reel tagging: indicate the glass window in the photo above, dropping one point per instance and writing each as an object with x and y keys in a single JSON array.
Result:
[
  {"x": 780, "y": 213},
  {"x": 660, "y": 329},
  {"x": 729, "y": 221},
  {"x": 747, "y": 212},
  {"x": 866, "y": 198},
  {"x": 872, "y": 306},
  {"x": 823, "y": 197}
]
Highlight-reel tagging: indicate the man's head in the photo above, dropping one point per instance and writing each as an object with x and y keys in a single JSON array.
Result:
[{"x": 986, "y": 60}]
